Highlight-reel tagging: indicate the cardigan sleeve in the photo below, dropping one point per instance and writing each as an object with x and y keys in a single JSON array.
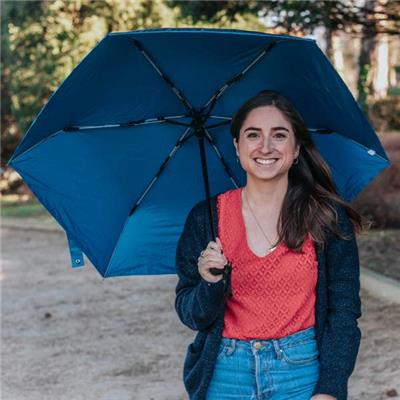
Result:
[
  {"x": 341, "y": 337},
  {"x": 197, "y": 301}
]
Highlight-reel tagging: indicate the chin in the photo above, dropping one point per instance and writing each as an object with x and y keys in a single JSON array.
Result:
[{"x": 272, "y": 175}]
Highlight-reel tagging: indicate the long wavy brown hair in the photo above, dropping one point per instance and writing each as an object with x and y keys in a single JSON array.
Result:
[{"x": 309, "y": 203}]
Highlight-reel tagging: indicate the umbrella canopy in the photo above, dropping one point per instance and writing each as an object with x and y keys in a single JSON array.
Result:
[{"x": 114, "y": 154}]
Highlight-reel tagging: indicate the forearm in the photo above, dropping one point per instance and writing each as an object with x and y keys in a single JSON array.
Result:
[
  {"x": 197, "y": 301},
  {"x": 198, "y": 307}
]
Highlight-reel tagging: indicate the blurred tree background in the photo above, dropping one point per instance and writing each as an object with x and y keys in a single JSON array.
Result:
[{"x": 42, "y": 41}]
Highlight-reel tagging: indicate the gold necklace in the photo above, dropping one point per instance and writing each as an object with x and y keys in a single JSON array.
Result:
[{"x": 255, "y": 218}]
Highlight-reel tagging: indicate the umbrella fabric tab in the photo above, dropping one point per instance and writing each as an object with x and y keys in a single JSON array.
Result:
[{"x": 76, "y": 254}]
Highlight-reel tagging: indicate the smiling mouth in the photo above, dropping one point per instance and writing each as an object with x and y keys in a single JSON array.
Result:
[{"x": 262, "y": 161}]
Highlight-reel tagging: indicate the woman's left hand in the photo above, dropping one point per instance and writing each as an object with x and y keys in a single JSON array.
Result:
[{"x": 323, "y": 397}]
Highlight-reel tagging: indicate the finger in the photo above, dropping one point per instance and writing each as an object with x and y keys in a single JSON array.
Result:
[
  {"x": 219, "y": 245},
  {"x": 217, "y": 258},
  {"x": 212, "y": 258},
  {"x": 206, "y": 268},
  {"x": 214, "y": 246},
  {"x": 214, "y": 254},
  {"x": 213, "y": 265},
  {"x": 210, "y": 252}
]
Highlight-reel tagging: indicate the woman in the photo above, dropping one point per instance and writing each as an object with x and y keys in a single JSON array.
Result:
[{"x": 289, "y": 329}]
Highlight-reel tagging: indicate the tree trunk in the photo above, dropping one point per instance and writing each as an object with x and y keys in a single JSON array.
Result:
[
  {"x": 365, "y": 74},
  {"x": 328, "y": 43}
]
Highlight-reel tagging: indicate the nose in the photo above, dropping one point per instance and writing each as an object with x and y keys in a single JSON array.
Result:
[{"x": 266, "y": 144}]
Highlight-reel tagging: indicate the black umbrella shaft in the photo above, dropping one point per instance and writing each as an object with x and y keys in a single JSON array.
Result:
[
  {"x": 226, "y": 271},
  {"x": 200, "y": 137}
]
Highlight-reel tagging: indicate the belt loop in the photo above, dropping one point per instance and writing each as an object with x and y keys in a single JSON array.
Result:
[
  {"x": 277, "y": 348},
  {"x": 232, "y": 346}
]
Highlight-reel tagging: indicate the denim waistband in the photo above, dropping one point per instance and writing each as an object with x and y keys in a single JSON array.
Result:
[{"x": 286, "y": 341}]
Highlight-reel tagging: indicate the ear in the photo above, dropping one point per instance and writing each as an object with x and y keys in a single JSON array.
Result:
[
  {"x": 235, "y": 143},
  {"x": 297, "y": 152}
]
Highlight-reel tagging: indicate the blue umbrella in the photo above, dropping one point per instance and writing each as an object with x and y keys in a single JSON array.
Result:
[{"x": 120, "y": 152}]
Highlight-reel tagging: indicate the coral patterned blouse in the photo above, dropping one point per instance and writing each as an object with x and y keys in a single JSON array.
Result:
[{"x": 274, "y": 295}]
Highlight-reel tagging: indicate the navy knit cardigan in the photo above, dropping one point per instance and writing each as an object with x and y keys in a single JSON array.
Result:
[{"x": 200, "y": 306}]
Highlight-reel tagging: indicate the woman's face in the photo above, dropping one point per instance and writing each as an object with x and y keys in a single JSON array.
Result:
[{"x": 266, "y": 146}]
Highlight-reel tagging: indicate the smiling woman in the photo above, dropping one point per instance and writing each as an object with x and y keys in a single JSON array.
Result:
[{"x": 289, "y": 330}]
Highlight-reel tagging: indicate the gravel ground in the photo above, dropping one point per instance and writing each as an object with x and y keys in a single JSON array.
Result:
[
  {"x": 379, "y": 251},
  {"x": 69, "y": 334}
]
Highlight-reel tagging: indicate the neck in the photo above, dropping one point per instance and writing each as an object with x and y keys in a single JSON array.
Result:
[{"x": 266, "y": 195}]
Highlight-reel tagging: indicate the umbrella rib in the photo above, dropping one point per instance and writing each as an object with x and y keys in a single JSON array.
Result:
[
  {"x": 178, "y": 144},
  {"x": 147, "y": 121},
  {"x": 237, "y": 77},
  {"x": 219, "y": 117},
  {"x": 322, "y": 131},
  {"x": 178, "y": 123},
  {"x": 177, "y": 92},
  {"x": 217, "y": 125},
  {"x": 224, "y": 163}
]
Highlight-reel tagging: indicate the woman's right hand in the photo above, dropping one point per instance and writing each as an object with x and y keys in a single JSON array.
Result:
[{"x": 212, "y": 257}]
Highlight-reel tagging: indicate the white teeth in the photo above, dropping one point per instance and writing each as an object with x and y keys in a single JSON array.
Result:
[{"x": 264, "y": 162}]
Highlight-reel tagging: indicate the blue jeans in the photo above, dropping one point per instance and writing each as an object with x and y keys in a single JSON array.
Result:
[{"x": 274, "y": 369}]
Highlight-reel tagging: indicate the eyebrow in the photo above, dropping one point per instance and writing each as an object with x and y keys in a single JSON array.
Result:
[{"x": 275, "y": 128}]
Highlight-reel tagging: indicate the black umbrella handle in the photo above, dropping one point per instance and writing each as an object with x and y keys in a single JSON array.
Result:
[
  {"x": 216, "y": 271},
  {"x": 227, "y": 278}
]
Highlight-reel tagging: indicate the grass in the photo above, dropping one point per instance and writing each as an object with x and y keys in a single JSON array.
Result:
[{"x": 15, "y": 206}]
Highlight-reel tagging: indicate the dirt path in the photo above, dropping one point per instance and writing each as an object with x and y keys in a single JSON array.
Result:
[{"x": 68, "y": 334}]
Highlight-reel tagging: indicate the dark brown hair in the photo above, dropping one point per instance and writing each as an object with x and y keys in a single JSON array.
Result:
[{"x": 308, "y": 206}]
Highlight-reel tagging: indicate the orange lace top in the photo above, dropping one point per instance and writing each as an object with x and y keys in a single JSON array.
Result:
[{"x": 274, "y": 295}]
